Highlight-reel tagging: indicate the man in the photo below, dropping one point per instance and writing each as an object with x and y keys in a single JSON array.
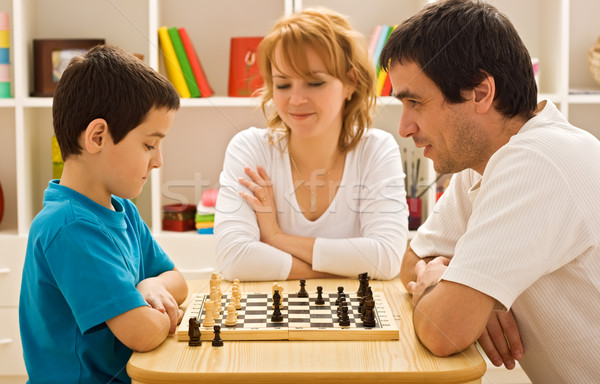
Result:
[{"x": 516, "y": 229}]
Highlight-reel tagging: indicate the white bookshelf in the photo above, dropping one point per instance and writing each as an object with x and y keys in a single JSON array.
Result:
[{"x": 556, "y": 31}]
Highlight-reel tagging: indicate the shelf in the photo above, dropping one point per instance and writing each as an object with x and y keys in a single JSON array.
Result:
[
  {"x": 584, "y": 99},
  {"x": 221, "y": 101},
  {"x": 7, "y": 103},
  {"x": 41, "y": 102}
]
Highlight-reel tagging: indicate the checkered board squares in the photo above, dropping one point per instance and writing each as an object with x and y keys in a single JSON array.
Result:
[{"x": 302, "y": 319}]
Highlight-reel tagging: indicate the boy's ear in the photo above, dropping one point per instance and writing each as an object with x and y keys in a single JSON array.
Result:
[
  {"x": 483, "y": 94},
  {"x": 95, "y": 136}
]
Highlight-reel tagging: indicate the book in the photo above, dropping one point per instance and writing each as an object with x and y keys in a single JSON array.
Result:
[
  {"x": 385, "y": 29},
  {"x": 184, "y": 63},
  {"x": 372, "y": 44},
  {"x": 387, "y": 86},
  {"x": 172, "y": 67},
  {"x": 383, "y": 76},
  {"x": 244, "y": 75},
  {"x": 199, "y": 75}
]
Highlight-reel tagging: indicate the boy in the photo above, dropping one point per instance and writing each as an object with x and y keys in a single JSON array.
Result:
[{"x": 95, "y": 283}]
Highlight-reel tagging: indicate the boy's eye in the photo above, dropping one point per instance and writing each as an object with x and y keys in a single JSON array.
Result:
[{"x": 149, "y": 147}]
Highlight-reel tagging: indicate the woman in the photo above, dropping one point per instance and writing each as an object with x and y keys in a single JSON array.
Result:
[{"x": 317, "y": 194}]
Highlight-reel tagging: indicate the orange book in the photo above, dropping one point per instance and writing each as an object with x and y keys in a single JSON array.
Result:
[
  {"x": 201, "y": 80},
  {"x": 244, "y": 76}
]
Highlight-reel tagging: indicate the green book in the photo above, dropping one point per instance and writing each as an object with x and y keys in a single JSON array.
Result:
[{"x": 184, "y": 63}]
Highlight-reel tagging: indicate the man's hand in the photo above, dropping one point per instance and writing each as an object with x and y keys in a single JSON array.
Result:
[
  {"x": 501, "y": 340},
  {"x": 428, "y": 275},
  {"x": 157, "y": 296}
]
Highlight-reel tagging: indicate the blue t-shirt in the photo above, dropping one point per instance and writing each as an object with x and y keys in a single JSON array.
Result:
[{"x": 82, "y": 266}]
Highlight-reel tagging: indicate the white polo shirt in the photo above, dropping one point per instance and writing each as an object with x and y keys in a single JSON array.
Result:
[{"x": 527, "y": 233}]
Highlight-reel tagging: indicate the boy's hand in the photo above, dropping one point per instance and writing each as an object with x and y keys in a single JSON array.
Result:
[{"x": 157, "y": 296}]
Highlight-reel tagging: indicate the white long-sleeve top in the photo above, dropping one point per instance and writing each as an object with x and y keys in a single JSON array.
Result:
[{"x": 363, "y": 230}]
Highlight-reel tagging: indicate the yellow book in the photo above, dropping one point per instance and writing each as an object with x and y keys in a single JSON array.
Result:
[
  {"x": 172, "y": 66},
  {"x": 381, "y": 75},
  {"x": 380, "y": 81},
  {"x": 206, "y": 224}
]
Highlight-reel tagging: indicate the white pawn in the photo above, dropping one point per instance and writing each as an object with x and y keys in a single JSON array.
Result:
[
  {"x": 238, "y": 298},
  {"x": 232, "y": 302},
  {"x": 231, "y": 316},
  {"x": 209, "y": 319}
]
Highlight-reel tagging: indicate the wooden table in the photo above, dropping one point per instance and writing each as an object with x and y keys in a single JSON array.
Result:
[{"x": 398, "y": 361}]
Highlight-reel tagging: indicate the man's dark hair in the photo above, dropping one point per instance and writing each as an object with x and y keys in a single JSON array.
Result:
[
  {"x": 458, "y": 43},
  {"x": 109, "y": 83}
]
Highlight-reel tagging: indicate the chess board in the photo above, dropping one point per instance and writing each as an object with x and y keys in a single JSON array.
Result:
[{"x": 302, "y": 319}]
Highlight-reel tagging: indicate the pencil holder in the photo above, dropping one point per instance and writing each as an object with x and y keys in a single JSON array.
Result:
[{"x": 414, "y": 213}]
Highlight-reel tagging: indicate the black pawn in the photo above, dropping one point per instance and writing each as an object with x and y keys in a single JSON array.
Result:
[
  {"x": 277, "y": 316},
  {"x": 194, "y": 332},
  {"x": 340, "y": 294},
  {"x": 319, "y": 300},
  {"x": 217, "y": 341},
  {"x": 302, "y": 292},
  {"x": 344, "y": 318}
]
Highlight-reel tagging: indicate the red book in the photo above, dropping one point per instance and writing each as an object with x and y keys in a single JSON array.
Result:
[
  {"x": 205, "y": 89},
  {"x": 387, "y": 86},
  {"x": 244, "y": 75}
]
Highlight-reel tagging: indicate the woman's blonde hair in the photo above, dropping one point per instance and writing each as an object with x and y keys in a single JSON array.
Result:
[{"x": 345, "y": 55}]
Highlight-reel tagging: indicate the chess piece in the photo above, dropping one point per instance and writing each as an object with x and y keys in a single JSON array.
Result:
[
  {"x": 216, "y": 305},
  {"x": 209, "y": 314},
  {"x": 277, "y": 316},
  {"x": 340, "y": 294},
  {"x": 231, "y": 320},
  {"x": 344, "y": 318},
  {"x": 369, "y": 320},
  {"x": 363, "y": 278},
  {"x": 319, "y": 300},
  {"x": 237, "y": 295},
  {"x": 278, "y": 287},
  {"x": 194, "y": 332},
  {"x": 368, "y": 295},
  {"x": 341, "y": 308},
  {"x": 302, "y": 292},
  {"x": 217, "y": 341}
]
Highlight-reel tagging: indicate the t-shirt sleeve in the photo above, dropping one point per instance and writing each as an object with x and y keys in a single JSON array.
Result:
[
  {"x": 240, "y": 253},
  {"x": 154, "y": 259},
  {"x": 94, "y": 277},
  {"x": 438, "y": 235},
  {"x": 523, "y": 225}
]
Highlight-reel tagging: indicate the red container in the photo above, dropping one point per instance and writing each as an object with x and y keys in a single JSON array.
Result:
[{"x": 414, "y": 213}]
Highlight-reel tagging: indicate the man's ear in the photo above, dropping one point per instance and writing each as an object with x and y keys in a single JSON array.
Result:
[
  {"x": 483, "y": 94},
  {"x": 95, "y": 136}
]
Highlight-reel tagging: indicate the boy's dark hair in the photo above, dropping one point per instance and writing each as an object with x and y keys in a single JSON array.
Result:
[
  {"x": 109, "y": 83},
  {"x": 457, "y": 43}
]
